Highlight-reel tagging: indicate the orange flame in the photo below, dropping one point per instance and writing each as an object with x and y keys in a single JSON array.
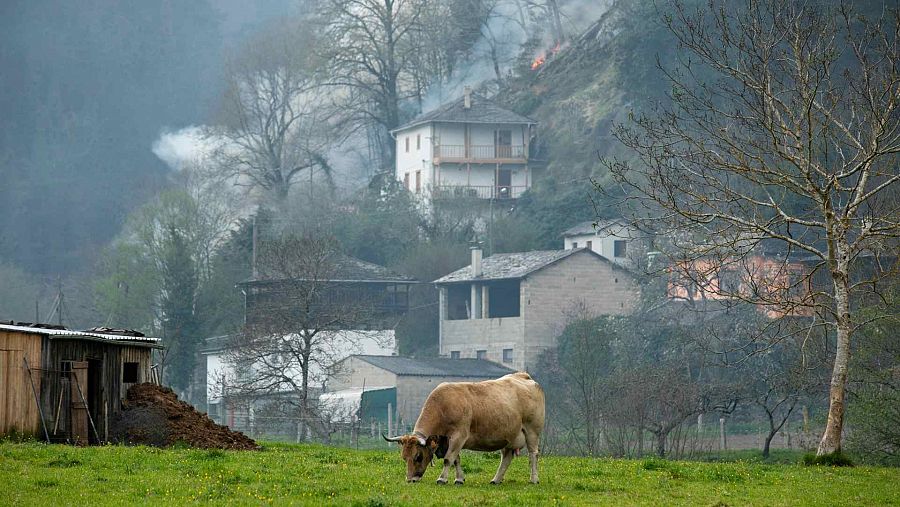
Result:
[{"x": 537, "y": 62}]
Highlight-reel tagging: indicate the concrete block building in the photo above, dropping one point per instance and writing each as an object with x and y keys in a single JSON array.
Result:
[{"x": 508, "y": 308}]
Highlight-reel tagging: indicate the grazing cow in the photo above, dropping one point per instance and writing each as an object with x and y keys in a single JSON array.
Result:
[{"x": 504, "y": 415}]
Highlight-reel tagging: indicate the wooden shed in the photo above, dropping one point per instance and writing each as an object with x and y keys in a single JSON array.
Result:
[{"x": 65, "y": 385}]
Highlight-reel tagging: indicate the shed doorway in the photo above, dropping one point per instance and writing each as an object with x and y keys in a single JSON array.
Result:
[{"x": 94, "y": 397}]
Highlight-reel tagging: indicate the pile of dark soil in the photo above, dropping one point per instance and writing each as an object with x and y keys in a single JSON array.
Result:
[{"x": 153, "y": 415}]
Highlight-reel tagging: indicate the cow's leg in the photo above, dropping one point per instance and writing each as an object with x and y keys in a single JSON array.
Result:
[
  {"x": 532, "y": 440},
  {"x": 460, "y": 478},
  {"x": 456, "y": 443},
  {"x": 505, "y": 460}
]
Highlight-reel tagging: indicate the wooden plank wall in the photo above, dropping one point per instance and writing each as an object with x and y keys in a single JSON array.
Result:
[
  {"x": 112, "y": 357},
  {"x": 18, "y": 410}
]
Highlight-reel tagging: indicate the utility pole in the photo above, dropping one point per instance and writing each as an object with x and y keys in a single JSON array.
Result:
[{"x": 59, "y": 298}]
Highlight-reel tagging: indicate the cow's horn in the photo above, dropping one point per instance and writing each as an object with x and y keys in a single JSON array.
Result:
[{"x": 391, "y": 439}]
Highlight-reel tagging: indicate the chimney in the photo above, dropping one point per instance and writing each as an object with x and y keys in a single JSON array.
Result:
[
  {"x": 467, "y": 97},
  {"x": 476, "y": 261}
]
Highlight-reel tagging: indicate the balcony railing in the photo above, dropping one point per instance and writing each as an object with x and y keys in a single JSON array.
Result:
[
  {"x": 478, "y": 191},
  {"x": 479, "y": 152}
]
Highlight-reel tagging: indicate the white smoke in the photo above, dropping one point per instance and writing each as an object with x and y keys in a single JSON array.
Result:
[
  {"x": 181, "y": 148},
  {"x": 505, "y": 34}
]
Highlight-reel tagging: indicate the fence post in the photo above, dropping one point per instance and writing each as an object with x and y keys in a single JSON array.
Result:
[
  {"x": 723, "y": 443},
  {"x": 390, "y": 420}
]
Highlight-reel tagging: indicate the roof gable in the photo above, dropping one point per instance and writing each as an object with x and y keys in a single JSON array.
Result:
[
  {"x": 436, "y": 367},
  {"x": 588, "y": 227},
  {"x": 483, "y": 110}
]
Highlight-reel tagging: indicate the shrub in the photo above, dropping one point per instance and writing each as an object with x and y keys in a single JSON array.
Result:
[{"x": 835, "y": 459}]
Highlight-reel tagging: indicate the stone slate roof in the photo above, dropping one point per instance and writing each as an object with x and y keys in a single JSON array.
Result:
[
  {"x": 350, "y": 269},
  {"x": 437, "y": 366},
  {"x": 511, "y": 265},
  {"x": 482, "y": 111},
  {"x": 588, "y": 227}
]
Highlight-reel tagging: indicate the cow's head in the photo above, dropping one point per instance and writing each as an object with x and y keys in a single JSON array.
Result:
[{"x": 418, "y": 452}]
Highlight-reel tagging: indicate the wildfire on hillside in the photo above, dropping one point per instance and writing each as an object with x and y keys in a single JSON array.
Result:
[{"x": 541, "y": 59}]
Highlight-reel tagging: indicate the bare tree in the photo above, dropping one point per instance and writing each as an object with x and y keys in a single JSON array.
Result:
[
  {"x": 779, "y": 378},
  {"x": 784, "y": 128},
  {"x": 301, "y": 318},
  {"x": 371, "y": 54},
  {"x": 579, "y": 371},
  {"x": 278, "y": 119}
]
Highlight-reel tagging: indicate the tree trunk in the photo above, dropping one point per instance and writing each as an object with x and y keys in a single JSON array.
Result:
[
  {"x": 831, "y": 440},
  {"x": 304, "y": 395},
  {"x": 661, "y": 444},
  {"x": 769, "y": 437}
]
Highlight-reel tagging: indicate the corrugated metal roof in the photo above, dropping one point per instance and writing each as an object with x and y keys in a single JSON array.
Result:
[
  {"x": 437, "y": 367},
  {"x": 482, "y": 111},
  {"x": 73, "y": 334},
  {"x": 509, "y": 265}
]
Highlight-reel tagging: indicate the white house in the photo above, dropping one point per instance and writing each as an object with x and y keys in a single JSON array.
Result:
[
  {"x": 508, "y": 308},
  {"x": 470, "y": 147},
  {"x": 388, "y": 292},
  {"x": 613, "y": 239}
]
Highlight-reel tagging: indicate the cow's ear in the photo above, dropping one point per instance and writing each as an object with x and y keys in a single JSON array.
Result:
[{"x": 438, "y": 444}]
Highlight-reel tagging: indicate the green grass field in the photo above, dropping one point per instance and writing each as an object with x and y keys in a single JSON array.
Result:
[{"x": 33, "y": 473}]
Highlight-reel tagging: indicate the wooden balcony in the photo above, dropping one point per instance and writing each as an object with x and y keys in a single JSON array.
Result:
[
  {"x": 497, "y": 192},
  {"x": 480, "y": 153}
]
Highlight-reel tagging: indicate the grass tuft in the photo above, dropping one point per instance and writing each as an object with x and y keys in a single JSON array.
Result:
[{"x": 835, "y": 459}]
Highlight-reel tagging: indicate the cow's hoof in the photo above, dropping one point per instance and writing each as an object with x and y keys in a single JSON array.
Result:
[
  {"x": 442, "y": 481},
  {"x": 495, "y": 482},
  {"x": 534, "y": 481},
  {"x": 459, "y": 482}
]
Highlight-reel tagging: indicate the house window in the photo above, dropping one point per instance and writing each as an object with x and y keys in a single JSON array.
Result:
[
  {"x": 418, "y": 182},
  {"x": 418, "y": 141},
  {"x": 503, "y": 299},
  {"x": 454, "y": 354},
  {"x": 619, "y": 248},
  {"x": 507, "y": 355},
  {"x": 407, "y": 144},
  {"x": 129, "y": 373},
  {"x": 590, "y": 245},
  {"x": 396, "y": 297},
  {"x": 574, "y": 244},
  {"x": 458, "y": 302},
  {"x": 406, "y": 181},
  {"x": 480, "y": 354}
]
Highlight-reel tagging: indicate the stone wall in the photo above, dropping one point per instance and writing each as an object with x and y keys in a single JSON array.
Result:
[
  {"x": 551, "y": 294},
  {"x": 493, "y": 335}
]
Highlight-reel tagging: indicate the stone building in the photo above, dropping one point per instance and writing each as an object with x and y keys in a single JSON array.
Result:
[
  {"x": 414, "y": 379},
  {"x": 508, "y": 308}
]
